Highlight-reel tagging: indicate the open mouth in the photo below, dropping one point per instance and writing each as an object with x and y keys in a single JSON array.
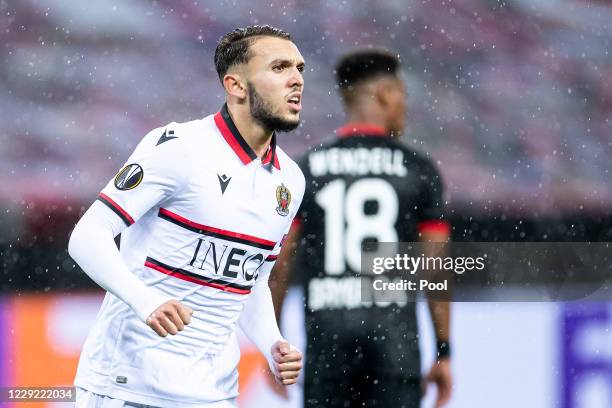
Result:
[{"x": 295, "y": 102}]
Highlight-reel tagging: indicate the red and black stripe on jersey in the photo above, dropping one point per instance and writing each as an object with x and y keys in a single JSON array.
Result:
[
  {"x": 216, "y": 232},
  {"x": 110, "y": 203},
  {"x": 234, "y": 139},
  {"x": 195, "y": 278}
]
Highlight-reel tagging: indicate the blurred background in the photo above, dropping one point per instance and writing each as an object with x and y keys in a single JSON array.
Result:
[{"x": 512, "y": 99}]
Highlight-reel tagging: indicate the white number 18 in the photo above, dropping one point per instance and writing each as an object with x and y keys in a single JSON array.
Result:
[{"x": 346, "y": 207}]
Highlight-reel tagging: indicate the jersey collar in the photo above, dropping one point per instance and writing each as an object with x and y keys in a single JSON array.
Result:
[
  {"x": 361, "y": 129},
  {"x": 232, "y": 136}
]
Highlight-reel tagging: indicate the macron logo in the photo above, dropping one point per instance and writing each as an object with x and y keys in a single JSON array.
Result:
[
  {"x": 165, "y": 138},
  {"x": 223, "y": 182}
]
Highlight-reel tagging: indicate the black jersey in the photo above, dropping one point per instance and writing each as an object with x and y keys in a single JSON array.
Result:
[{"x": 361, "y": 187}]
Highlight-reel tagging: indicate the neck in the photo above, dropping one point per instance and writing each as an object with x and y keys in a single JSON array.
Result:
[
  {"x": 366, "y": 113},
  {"x": 257, "y": 137}
]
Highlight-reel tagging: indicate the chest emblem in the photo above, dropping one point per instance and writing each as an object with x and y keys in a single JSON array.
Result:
[{"x": 283, "y": 197}]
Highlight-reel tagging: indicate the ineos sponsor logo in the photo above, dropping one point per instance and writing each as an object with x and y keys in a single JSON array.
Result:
[{"x": 225, "y": 260}]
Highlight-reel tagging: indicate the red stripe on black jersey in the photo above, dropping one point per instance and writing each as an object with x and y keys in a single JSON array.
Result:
[
  {"x": 297, "y": 222},
  {"x": 353, "y": 129},
  {"x": 194, "y": 278},
  {"x": 125, "y": 217},
  {"x": 216, "y": 232},
  {"x": 436, "y": 226}
]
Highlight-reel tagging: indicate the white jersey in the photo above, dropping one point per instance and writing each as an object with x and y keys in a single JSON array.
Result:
[{"x": 206, "y": 221}]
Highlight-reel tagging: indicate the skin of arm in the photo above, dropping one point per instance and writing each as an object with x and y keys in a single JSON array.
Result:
[
  {"x": 440, "y": 373},
  {"x": 280, "y": 276},
  {"x": 440, "y": 311}
]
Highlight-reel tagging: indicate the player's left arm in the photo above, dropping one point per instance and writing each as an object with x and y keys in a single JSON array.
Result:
[
  {"x": 258, "y": 321},
  {"x": 433, "y": 228}
]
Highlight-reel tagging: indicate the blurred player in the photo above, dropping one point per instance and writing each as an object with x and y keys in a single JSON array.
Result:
[
  {"x": 362, "y": 186},
  {"x": 202, "y": 208}
]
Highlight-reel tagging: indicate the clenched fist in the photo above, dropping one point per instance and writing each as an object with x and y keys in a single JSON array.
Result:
[
  {"x": 171, "y": 317},
  {"x": 287, "y": 362}
]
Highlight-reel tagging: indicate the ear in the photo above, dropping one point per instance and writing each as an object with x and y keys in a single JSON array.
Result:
[
  {"x": 234, "y": 85},
  {"x": 382, "y": 93}
]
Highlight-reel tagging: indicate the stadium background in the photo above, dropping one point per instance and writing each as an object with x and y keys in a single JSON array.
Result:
[{"x": 512, "y": 99}]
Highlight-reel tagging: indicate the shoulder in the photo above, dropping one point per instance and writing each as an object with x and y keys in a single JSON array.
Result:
[
  {"x": 417, "y": 160},
  {"x": 179, "y": 138},
  {"x": 321, "y": 147},
  {"x": 168, "y": 151},
  {"x": 172, "y": 139},
  {"x": 313, "y": 155}
]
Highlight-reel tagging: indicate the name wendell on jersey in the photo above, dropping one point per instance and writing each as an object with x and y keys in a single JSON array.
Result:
[
  {"x": 357, "y": 161},
  {"x": 206, "y": 219}
]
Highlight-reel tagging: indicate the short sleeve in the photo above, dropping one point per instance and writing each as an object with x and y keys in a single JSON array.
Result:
[
  {"x": 155, "y": 171},
  {"x": 430, "y": 211}
]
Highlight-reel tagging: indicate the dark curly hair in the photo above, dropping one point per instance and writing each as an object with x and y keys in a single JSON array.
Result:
[{"x": 363, "y": 64}]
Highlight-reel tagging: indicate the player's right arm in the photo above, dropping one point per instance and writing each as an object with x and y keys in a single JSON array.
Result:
[
  {"x": 433, "y": 228},
  {"x": 152, "y": 174}
]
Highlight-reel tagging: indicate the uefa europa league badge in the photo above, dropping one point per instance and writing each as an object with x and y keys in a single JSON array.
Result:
[
  {"x": 283, "y": 197},
  {"x": 129, "y": 177}
]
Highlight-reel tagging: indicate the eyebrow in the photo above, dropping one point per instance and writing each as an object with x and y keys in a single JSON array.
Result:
[{"x": 287, "y": 62}]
